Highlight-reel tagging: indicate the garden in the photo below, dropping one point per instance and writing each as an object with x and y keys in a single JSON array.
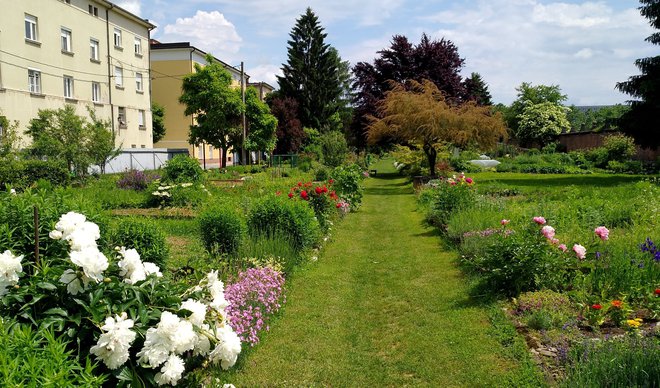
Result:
[{"x": 156, "y": 278}]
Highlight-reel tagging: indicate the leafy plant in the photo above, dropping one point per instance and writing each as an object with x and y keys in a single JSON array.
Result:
[
  {"x": 182, "y": 169},
  {"x": 347, "y": 183},
  {"x": 142, "y": 235},
  {"x": 222, "y": 228},
  {"x": 136, "y": 180}
]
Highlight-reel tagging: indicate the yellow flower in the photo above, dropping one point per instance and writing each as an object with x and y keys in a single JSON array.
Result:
[{"x": 634, "y": 323}]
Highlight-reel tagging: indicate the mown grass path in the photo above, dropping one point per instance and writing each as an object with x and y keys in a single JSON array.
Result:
[{"x": 383, "y": 306}]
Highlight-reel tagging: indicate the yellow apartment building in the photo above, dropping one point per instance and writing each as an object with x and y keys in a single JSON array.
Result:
[
  {"x": 263, "y": 89},
  {"x": 170, "y": 62},
  {"x": 86, "y": 53}
]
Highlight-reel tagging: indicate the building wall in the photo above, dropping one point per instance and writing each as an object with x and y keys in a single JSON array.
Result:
[
  {"x": 19, "y": 55},
  {"x": 168, "y": 68}
]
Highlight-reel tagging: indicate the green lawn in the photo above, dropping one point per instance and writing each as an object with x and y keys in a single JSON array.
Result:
[{"x": 385, "y": 305}]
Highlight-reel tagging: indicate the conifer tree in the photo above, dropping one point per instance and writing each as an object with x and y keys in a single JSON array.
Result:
[
  {"x": 476, "y": 89},
  {"x": 642, "y": 121},
  {"x": 310, "y": 74}
]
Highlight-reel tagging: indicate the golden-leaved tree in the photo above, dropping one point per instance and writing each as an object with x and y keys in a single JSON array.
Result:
[{"x": 419, "y": 114}]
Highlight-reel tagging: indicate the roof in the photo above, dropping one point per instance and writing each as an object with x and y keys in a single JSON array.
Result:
[
  {"x": 156, "y": 45},
  {"x": 261, "y": 84},
  {"x": 128, "y": 14}
]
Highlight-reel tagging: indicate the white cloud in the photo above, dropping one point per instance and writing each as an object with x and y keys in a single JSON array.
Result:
[
  {"x": 132, "y": 6},
  {"x": 209, "y": 31},
  {"x": 265, "y": 73},
  {"x": 584, "y": 48}
]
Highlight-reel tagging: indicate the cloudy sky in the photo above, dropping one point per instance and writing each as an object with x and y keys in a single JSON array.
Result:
[{"x": 585, "y": 47}]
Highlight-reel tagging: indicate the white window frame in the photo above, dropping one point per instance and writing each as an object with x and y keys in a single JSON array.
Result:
[
  {"x": 117, "y": 37},
  {"x": 31, "y": 28},
  {"x": 66, "y": 39},
  {"x": 68, "y": 86},
  {"x": 121, "y": 123},
  {"x": 137, "y": 45},
  {"x": 141, "y": 119},
  {"x": 94, "y": 48},
  {"x": 119, "y": 77},
  {"x": 96, "y": 92},
  {"x": 34, "y": 81},
  {"x": 139, "y": 82}
]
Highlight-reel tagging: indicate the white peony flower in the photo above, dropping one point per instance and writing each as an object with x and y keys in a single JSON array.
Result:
[
  {"x": 171, "y": 372},
  {"x": 228, "y": 347},
  {"x": 112, "y": 346},
  {"x": 131, "y": 267},
  {"x": 198, "y": 310},
  {"x": 55, "y": 234},
  {"x": 73, "y": 284},
  {"x": 203, "y": 344},
  {"x": 10, "y": 266},
  {"x": 171, "y": 335},
  {"x": 12, "y": 191},
  {"x": 92, "y": 261},
  {"x": 228, "y": 386},
  {"x": 69, "y": 222},
  {"x": 152, "y": 269}
]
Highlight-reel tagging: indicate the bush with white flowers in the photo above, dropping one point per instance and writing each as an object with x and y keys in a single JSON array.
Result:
[{"x": 118, "y": 309}]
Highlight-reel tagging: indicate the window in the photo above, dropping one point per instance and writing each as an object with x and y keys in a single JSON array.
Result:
[
  {"x": 96, "y": 92},
  {"x": 68, "y": 86},
  {"x": 138, "y": 46},
  {"x": 93, "y": 10},
  {"x": 34, "y": 81},
  {"x": 121, "y": 117},
  {"x": 31, "y": 27},
  {"x": 119, "y": 77},
  {"x": 141, "y": 117},
  {"x": 66, "y": 39},
  {"x": 117, "y": 37},
  {"x": 138, "y": 82},
  {"x": 94, "y": 49}
]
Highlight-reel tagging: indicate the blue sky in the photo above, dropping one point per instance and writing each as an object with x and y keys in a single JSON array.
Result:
[{"x": 585, "y": 47}]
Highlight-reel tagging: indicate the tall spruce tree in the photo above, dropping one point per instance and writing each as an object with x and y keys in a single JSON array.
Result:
[
  {"x": 642, "y": 121},
  {"x": 476, "y": 89},
  {"x": 310, "y": 74}
]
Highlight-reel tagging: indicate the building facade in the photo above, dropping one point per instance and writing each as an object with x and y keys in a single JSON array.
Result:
[
  {"x": 170, "y": 62},
  {"x": 87, "y": 53},
  {"x": 263, "y": 89}
]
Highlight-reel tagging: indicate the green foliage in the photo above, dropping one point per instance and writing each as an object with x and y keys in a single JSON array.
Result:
[
  {"x": 223, "y": 229},
  {"x": 528, "y": 95},
  {"x": 596, "y": 120},
  {"x": 144, "y": 236},
  {"x": 101, "y": 146},
  {"x": 158, "y": 121},
  {"x": 619, "y": 147},
  {"x": 541, "y": 122},
  {"x": 544, "y": 310},
  {"x": 348, "y": 184},
  {"x": 477, "y": 89},
  {"x": 448, "y": 199},
  {"x": 624, "y": 362},
  {"x": 334, "y": 148},
  {"x": 25, "y": 173},
  {"x": 217, "y": 106},
  {"x": 40, "y": 358},
  {"x": 321, "y": 174},
  {"x": 262, "y": 125},
  {"x": 276, "y": 216},
  {"x": 9, "y": 138},
  {"x": 182, "y": 169},
  {"x": 265, "y": 248}
]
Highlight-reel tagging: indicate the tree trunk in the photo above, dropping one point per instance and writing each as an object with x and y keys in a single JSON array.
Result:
[
  {"x": 223, "y": 157},
  {"x": 431, "y": 155}
]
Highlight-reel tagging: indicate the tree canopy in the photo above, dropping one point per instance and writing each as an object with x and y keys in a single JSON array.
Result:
[
  {"x": 643, "y": 120},
  {"x": 158, "y": 121},
  {"x": 437, "y": 61},
  {"x": 310, "y": 75},
  {"x": 419, "y": 114},
  {"x": 290, "y": 134},
  {"x": 216, "y": 106},
  {"x": 541, "y": 122},
  {"x": 476, "y": 89},
  {"x": 262, "y": 125}
]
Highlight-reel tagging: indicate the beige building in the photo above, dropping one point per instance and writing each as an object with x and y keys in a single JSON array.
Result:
[
  {"x": 87, "y": 53},
  {"x": 263, "y": 89},
  {"x": 170, "y": 62}
]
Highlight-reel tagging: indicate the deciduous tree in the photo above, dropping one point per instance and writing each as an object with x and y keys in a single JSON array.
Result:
[
  {"x": 158, "y": 121},
  {"x": 290, "y": 133},
  {"x": 216, "y": 106},
  {"x": 419, "y": 114},
  {"x": 643, "y": 120},
  {"x": 262, "y": 125},
  {"x": 541, "y": 122}
]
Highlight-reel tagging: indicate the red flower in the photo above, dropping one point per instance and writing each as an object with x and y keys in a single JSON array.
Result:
[
  {"x": 318, "y": 190},
  {"x": 308, "y": 184},
  {"x": 338, "y": 205},
  {"x": 278, "y": 192},
  {"x": 290, "y": 195},
  {"x": 331, "y": 181},
  {"x": 333, "y": 195},
  {"x": 657, "y": 291},
  {"x": 303, "y": 195},
  {"x": 596, "y": 306},
  {"x": 299, "y": 184},
  {"x": 325, "y": 189},
  {"x": 617, "y": 304},
  {"x": 468, "y": 180}
]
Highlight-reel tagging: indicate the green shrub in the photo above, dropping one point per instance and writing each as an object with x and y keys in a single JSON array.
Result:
[
  {"x": 321, "y": 174},
  {"x": 144, "y": 236},
  {"x": 276, "y": 216},
  {"x": 222, "y": 229},
  {"x": 25, "y": 173},
  {"x": 41, "y": 359},
  {"x": 545, "y": 309},
  {"x": 619, "y": 147},
  {"x": 347, "y": 184},
  {"x": 626, "y": 362},
  {"x": 182, "y": 169},
  {"x": 176, "y": 195},
  {"x": 449, "y": 198},
  {"x": 279, "y": 247},
  {"x": 334, "y": 148}
]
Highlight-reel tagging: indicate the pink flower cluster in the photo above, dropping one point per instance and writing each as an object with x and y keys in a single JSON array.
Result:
[
  {"x": 602, "y": 232},
  {"x": 256, "y": 295},
  {"x": 549, "y": 233}
]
